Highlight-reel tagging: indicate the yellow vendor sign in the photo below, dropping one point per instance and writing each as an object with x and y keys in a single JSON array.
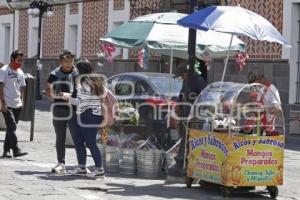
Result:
[{"x": 235, "y": 160}]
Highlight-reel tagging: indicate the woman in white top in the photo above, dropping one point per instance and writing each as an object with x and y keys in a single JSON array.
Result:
[
  {"x": 270, "y": 99},
  {"x": 89, "y": 117}
]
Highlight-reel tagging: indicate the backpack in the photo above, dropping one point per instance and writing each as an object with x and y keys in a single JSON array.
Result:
[{"x": 110, "y": 108}]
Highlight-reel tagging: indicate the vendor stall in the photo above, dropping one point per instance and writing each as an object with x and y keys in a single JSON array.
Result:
[{"x": 236, "y": 138}]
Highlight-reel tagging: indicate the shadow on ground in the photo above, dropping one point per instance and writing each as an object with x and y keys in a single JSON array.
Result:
[
  {"x": 172, "y": 191},
  {"x": 43, "y": 105},
  {"x": 120, "y": 175},
  {"x": 292, "y": 142},
  {"x": 131, "y": 189},
  {"x": 51, "y": 176}
]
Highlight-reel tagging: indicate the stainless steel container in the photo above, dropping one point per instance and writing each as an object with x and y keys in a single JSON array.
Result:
[
  {"x": 149, "y": 163},
  {"x": 112, "y": 156},
  {"x": 128, "y": 161}
]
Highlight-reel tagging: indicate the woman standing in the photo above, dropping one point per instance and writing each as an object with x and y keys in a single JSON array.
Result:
[{"x": 89, "y": 118}]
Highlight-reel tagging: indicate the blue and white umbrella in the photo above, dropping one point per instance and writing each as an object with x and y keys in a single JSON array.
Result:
[{"x": 235, "y": 20}]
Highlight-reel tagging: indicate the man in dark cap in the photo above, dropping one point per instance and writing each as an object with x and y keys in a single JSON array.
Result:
[{"x": 192, "y": 86}]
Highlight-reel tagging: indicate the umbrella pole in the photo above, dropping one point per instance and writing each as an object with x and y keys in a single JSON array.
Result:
[
  {"x": 227, "y": 58},
  {"x": 170, "y": 88}
]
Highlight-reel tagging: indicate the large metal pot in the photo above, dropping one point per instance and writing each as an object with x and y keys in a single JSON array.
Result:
[
  {"x": 112, "y": 156},
  {"x": 128, "y": 162},
  {"x": 149, "y": 163}
]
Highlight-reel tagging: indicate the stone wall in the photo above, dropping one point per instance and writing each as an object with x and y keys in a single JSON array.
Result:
[
  {"x": 276, "y": 70},
  {"x": 119, "y": 66}
]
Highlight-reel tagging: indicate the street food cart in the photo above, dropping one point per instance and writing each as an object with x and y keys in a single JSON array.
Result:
[{"x": 235, "y": 137}]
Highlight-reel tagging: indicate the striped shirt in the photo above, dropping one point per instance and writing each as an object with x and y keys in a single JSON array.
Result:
[{"x": 86, "y": 100}]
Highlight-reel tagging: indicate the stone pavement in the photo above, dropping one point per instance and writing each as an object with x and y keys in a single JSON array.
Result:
[{"x": 29, "y": 177}]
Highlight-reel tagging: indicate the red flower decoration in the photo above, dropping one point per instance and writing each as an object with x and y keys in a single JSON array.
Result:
[
  {"x": 241, "y": 60},
  {"x": 108, "y": 49}
]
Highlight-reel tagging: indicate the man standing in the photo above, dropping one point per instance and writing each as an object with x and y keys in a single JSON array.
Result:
[
  {"x": 62, "y": 80},
  {"x": 192, "y": 86},
  {"x": 12, "y": 89}
]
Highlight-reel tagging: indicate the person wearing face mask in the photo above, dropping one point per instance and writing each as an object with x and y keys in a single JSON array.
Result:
[
  {"x": 61, "y": 82},
  {"x": 12, "y": 90}
]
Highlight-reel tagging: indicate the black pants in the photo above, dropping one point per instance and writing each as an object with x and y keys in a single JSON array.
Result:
[
  {"x": 11, "y": 120},
  {"x": 60, "y": 122}
]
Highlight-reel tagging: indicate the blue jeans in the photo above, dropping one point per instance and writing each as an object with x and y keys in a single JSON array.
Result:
[{"x": 86, "y": 137}]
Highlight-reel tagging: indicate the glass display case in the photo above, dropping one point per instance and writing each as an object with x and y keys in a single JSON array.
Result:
[{"x": 238, "y": 109}]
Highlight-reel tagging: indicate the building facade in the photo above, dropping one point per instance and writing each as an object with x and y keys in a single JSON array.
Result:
[
  {"x": 79, "y": 26},
  {"x": 291, "y": 30},
  {"x": 76, "y": 26}
]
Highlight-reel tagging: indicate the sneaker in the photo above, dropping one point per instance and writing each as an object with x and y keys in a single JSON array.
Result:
[
  {"x": 96, "y": 173},
  {"x": 78, "y": 171},
  {"x": 6, "y": 154},
  {"x": 59, "y": 168}
]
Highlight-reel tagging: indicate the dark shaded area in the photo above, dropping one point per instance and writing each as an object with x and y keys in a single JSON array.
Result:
[{"x": 292, "y": 142}]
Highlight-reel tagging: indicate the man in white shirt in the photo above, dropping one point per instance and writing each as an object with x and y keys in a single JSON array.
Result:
[{"x": 12, "y": 88}]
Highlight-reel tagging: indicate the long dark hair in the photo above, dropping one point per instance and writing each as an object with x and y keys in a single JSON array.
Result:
[{"x": 88, "y": 76}]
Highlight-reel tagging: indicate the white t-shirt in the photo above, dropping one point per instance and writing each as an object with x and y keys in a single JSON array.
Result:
[
  {"x": 272, "y": 100},
  {"x": 272, "y": 96},
  {"x": 13, "y": 81}
]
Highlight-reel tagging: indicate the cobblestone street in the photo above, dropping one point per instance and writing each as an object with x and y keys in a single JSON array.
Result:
[{"x": 29, "y": 177}]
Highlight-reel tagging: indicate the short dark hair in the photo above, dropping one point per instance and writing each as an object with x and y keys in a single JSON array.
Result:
[
  {"x": 66, "y": 54},
  {"x": 252, "y": 77},
  {"x": 15, "y": 54},
  {"x": 84, "y": 66}
]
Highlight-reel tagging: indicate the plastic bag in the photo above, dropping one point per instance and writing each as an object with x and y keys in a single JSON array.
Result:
[
  {"x": 113, "y": 140},
  {"x": 147, "y": 145},
  {"x": 128, "y": 141}
]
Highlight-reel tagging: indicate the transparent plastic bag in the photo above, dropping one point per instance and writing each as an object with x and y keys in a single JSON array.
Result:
[
  {"x": 113, "y": 140},
  {"x": 148, "y": 145},
  {"x": 128, "y": 141}
]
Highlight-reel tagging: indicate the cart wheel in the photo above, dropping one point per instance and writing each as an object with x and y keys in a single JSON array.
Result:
[
  {"x": 202, "y": 183},
  {"x": 225, "y": 191},
  {"x": 273, "y": 190},
  {"x": 189, "y": 182}
]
